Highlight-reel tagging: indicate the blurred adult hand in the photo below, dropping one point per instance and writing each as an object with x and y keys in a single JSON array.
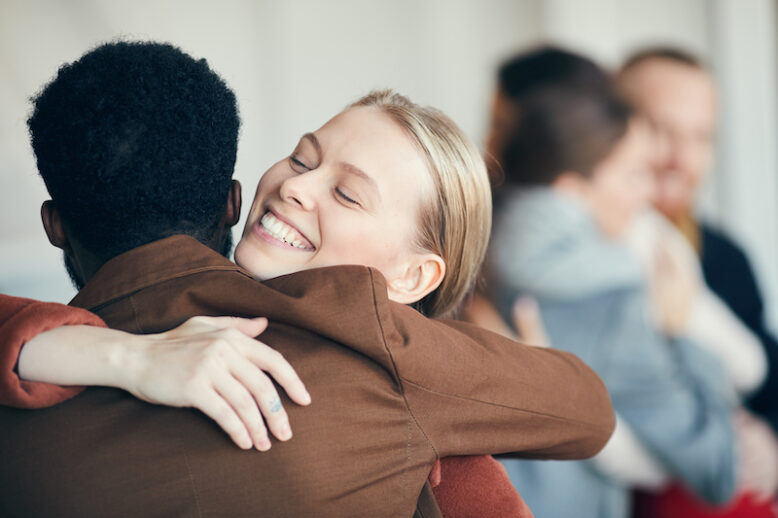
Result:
[
  {"x": 527, "y": 323},
  {"x": 672, "y": 290}
]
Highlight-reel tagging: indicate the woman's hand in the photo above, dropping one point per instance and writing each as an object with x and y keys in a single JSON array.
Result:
[
  {"x": 209, "y": 363},
  {"x": 212, "y": 364}
]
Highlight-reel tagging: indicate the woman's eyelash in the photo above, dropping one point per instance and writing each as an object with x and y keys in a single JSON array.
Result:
[
  {"x": 343, "y": 195},
  {"x": 297, "y": 162}
]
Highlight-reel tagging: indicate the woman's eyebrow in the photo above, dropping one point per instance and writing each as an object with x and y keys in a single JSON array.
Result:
[
  {"x": 354, "y": 170},
  {"x": 313, "y": 140},
  {"x": 349, "y": 168}
]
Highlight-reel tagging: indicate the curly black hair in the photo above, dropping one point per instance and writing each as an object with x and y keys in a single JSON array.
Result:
[{"x": 136, "y": 141}]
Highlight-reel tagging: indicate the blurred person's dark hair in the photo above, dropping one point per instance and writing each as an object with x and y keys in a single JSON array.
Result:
[
  {"x": 673, "y": 54},
  {"x": 565, "y": 115},
  {"x": 136, "y": 141}
]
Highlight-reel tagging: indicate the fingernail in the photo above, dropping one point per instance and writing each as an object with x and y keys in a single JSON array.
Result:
[
  {"x": 264, "y": 445},
  {"x": 286, "y": 433},
  {"x": 306, "y": 398}
]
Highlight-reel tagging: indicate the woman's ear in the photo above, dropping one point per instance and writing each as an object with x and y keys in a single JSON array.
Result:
[{"x": 423, "y": 274}]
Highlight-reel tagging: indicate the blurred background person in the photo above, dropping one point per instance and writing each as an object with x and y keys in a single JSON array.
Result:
[
  {"x": 676, "y": 94},
  {"x": 674, "y": 91},
  {"x": 575, "y": 164}
]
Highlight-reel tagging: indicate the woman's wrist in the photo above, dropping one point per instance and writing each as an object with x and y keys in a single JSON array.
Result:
[
  {"x": 83, "y": 355},
  {"x": 123, "y": 356}
]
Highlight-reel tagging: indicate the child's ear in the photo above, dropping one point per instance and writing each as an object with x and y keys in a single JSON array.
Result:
[{"x": 423, "y": 274}]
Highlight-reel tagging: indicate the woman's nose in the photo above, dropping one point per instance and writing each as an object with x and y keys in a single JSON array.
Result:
[{"x": 300, "y": 190}]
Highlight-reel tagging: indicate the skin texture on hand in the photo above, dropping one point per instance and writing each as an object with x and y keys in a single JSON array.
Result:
[{"x": 209, "y": 363}]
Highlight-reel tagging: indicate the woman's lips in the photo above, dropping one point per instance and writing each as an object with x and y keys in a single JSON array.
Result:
[{"x": 277, "y": 231}]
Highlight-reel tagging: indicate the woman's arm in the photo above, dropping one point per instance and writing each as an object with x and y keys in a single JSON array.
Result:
[
  {"x": 208, "y": 363},
  {"x": 20, "y": 320}
]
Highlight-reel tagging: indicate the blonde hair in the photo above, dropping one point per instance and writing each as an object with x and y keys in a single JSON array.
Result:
[{"x": 457, "y": 222}]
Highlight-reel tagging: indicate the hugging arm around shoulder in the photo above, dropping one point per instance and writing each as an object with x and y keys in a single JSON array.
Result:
[
  {"x": 489, "y": 394},
  {"x": 509, "y": 398},
  {"x": 21, "y": 320}
]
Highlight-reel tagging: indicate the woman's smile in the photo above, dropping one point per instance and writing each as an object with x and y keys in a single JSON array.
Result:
[{"x": 277, "y": 231}]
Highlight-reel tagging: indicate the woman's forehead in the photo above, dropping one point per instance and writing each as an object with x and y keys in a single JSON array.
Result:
[{"x": 371, "y": 141}]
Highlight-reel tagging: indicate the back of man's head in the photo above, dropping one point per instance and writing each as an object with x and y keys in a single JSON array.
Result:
[{"x": 136, "y": 141}]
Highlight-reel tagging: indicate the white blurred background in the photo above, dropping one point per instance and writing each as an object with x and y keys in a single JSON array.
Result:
[{"x": 295, "y": 63}]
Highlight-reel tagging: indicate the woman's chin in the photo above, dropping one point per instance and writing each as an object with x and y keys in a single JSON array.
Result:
[
  {"x": 258, "y": 264},
  {"x": 247, "y": 260}
]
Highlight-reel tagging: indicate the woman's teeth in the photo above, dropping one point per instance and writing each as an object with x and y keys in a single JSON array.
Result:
[{"x": 281, "y": 231}]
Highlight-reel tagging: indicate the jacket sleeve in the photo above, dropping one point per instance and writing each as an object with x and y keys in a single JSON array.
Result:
[
  {"x": 21, "y": 320},
  {"x": 477, "y": 486},
  {"x": 672, "y": 394},
  {"x": 489, "y": 394}
]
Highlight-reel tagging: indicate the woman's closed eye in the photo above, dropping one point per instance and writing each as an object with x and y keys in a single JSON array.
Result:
[
  {"x": 298, "y": 165},
  {"x": 345, "y": 197}
]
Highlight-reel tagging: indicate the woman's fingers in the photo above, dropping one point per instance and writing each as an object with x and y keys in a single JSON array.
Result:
[
  {"x": 264, "y": 395},
  {"x": 244, "y": 405},
  {"x": 265, "y": 357},
  {"x": 274, "y": 363},
  {"x": 212, "y": 404},
  {"x": 231, "y": 364}
]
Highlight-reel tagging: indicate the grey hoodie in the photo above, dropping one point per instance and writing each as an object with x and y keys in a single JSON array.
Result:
[{"x": 593, "y": 302}]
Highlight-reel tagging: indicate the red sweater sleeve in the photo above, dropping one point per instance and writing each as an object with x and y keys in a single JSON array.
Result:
[
  {"x": 475, "y": 486},
  {"x": 20, "y": 321}
]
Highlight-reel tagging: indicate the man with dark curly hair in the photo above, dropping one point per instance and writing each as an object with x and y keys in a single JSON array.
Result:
[{"x": 135, "y": 142}]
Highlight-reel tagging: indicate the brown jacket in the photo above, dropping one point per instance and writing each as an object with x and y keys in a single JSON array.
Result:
[{"x": 391, "y": 392}]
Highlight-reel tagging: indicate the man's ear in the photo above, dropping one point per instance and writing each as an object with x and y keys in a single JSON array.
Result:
[
  {"x": 52, "y": 224},
  {"x": 423, "y": 275},
  {"x": 234, "y": 201}
]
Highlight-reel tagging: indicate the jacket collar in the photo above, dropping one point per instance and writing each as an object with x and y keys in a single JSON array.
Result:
[{"x": 147, "y": 265}]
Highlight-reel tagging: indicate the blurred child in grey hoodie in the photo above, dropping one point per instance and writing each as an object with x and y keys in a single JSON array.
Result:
[{"x": 575, "y": 164}]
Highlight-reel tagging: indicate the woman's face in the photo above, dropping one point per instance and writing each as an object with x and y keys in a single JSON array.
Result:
[
  {"x": 622, "y": 184},
  {"x": 349, "y": 193}
]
